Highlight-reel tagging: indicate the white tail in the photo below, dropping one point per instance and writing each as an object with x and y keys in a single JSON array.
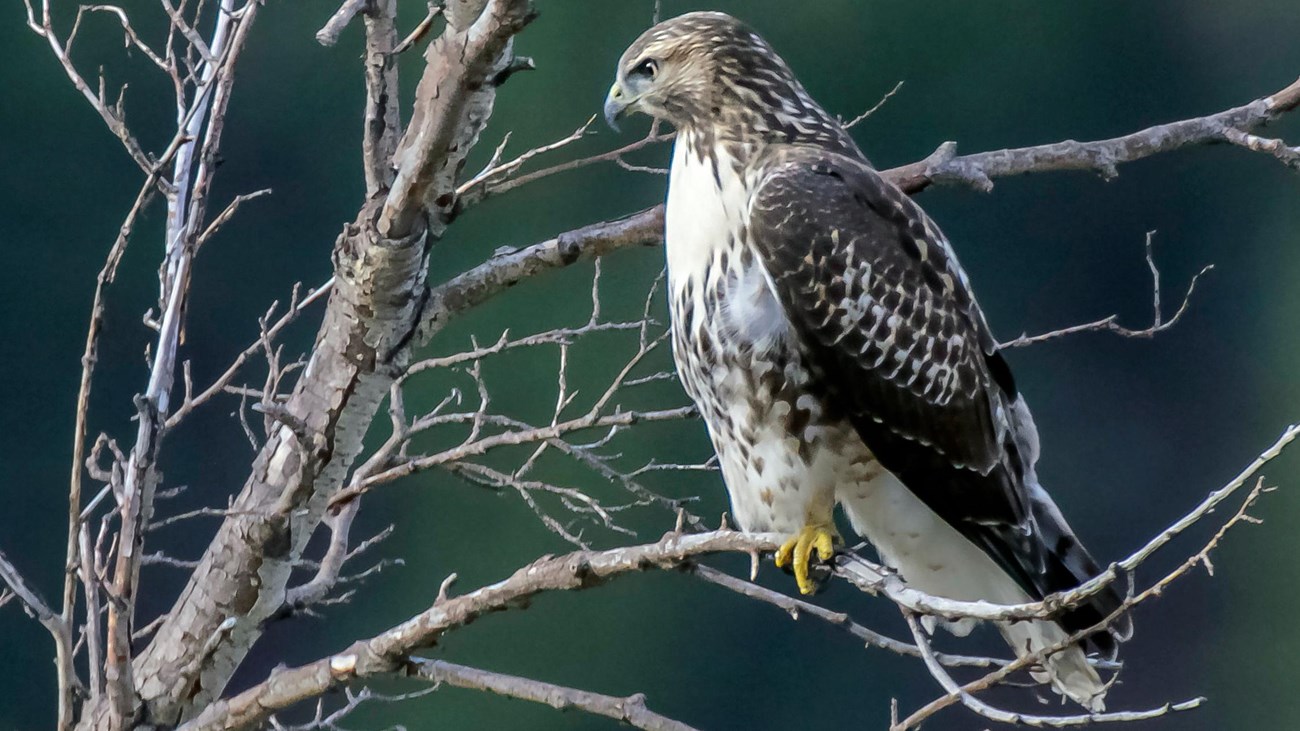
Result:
[{"x": 933, "y": 557}]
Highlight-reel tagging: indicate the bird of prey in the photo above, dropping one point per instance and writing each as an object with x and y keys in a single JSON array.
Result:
[{"x": 828, "y": 335}]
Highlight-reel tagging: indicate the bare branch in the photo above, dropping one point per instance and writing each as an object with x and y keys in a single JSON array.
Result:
[
  {"x": 472, "y": 194},
  {"x": 630, "y": 710},
  {"x": 1103, "y": 156},
  {"x": 226, "y": 215},
  {"x": 1110, "y": 324},
  {"x": 478, "y": 447},
  {"x": 874, "y": 108},
  {"x": 504, "y": 270},
  {"x": 797, "y": 608},
  {"x": 382, "y": 129},
  {"x": 132, "y": 39},
  {"x": 111, "y": 116},
  {"x": 340, "y": 524},
  {"x": 333, "y": 28},
  {"x": 497, "y": 169},
  {"x": 192, "y": 401},
  {"x": 427, "y": 159},
  {"x": 420, "y": 31},
  {"x": 1025, "y": 719},
  {"x": 91, "y": 586},
  {"x": 385, "y": 653},
  {"x": 944, "y": 166},
  {"x": 33, "y": 602},
  {"x": 1289, "y": 156},
  {"x": 35, "y": 605}
]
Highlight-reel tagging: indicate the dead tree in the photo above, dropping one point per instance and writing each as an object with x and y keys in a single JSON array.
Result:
[{"x": 310, "y": 472}]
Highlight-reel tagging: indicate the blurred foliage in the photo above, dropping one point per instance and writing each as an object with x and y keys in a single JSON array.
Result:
[{"x": 1134, "y": 432}]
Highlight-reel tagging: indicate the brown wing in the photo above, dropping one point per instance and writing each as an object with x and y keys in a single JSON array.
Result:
[
  {"x": 896, "y": 341},
  {"x": 886, "y": 314}
]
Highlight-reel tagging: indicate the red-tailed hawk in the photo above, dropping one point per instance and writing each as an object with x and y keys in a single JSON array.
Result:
[{"x": 824, "y": 328}]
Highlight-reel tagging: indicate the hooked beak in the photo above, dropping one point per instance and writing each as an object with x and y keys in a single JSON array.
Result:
[{"x": 616, "y": 104}]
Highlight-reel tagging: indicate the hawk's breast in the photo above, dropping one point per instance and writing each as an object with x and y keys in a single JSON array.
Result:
[{"x": 782, "y": 449}]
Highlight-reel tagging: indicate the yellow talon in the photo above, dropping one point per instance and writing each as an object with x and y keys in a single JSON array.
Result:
[{"x": 797, "y": 552}]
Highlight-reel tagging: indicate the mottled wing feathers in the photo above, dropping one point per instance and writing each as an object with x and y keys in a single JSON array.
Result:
[
  {"x": 897, "y": 343},
  {"x": 886, "y": 314}
]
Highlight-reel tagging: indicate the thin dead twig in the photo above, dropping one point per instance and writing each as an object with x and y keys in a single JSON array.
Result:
[
  {"x": 496, "y": 169},
  {"x": 1111, "y": 324},
  {"x": 797, "y": 608},
  {"x": 874, "y": 108},
  {"x": 297, "y": 305},
  {"x": 1017, "y": 718},
  {"x": 486, "y": 188},
  {"x": 631, "y": 709},
  {"x": 479, "y": 447}
]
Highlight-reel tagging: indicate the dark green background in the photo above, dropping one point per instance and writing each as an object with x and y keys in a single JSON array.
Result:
[{"x": 1134, "y": 432}]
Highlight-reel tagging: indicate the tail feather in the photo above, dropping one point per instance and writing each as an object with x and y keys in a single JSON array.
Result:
[
  {"x": 999, "y": 565},
  {"x": 1065, "y": 565},
  {"x": 1068, "y": 670}
]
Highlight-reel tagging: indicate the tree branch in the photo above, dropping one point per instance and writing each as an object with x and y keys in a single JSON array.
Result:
[
  {"x": 978, "y": 170},
  {"x": 329, "y": 34},
  {"x": 385, "y": 653},
  {"x": 503, "y": 271},
  {"x": 364, "y": 341},
  {"x": 630, "y": 710},
  {"x": 1102, "y": 156}
]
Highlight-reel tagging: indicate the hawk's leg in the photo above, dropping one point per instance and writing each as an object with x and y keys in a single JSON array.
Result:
[{"x": 797, "y": 553}]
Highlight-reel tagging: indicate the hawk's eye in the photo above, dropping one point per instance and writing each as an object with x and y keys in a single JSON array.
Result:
[{"x": 647, "y": 68}]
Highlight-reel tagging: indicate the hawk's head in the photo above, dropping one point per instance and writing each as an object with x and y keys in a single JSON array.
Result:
[{"x": 709, "y": 70}]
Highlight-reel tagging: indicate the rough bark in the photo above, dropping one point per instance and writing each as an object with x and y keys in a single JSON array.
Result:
[{"x": 374, "y": 310}]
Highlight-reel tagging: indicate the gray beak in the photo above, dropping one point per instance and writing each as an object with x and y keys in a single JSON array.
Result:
[{"x": 616, "y": 103}]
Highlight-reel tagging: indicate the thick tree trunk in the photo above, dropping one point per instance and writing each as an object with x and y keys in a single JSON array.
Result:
[{"x": 374, "y": 313}]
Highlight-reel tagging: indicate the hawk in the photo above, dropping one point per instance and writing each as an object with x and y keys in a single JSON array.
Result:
[{"x": 828, "y": 335}]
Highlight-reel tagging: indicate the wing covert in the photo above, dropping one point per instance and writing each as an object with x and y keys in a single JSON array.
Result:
[{"x": 886, "y": 315}]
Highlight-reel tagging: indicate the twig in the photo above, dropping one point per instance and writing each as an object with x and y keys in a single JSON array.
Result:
[
  {"x": 797, "y": 608},
  {"x": 874, "y": 108},
  {"x": 340, "y": 524},
  {"x": 231, "y": 209},
  {"x": 420, "y": 30},
  {"x": 497, "y": 169},
  {"x": 1025, "y": 719},
  {"x": 479, "y": 447},
  {"x": 486, "y": 188},
  {"x": 33, "y": 602},
  {"x": 1110, "y": 324},
  {"x": 329, "y": 34},
  {"x": 630, "y": 710},
  {"x": 192, "y": 401},
  {"x": 384, "y": 653}
]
